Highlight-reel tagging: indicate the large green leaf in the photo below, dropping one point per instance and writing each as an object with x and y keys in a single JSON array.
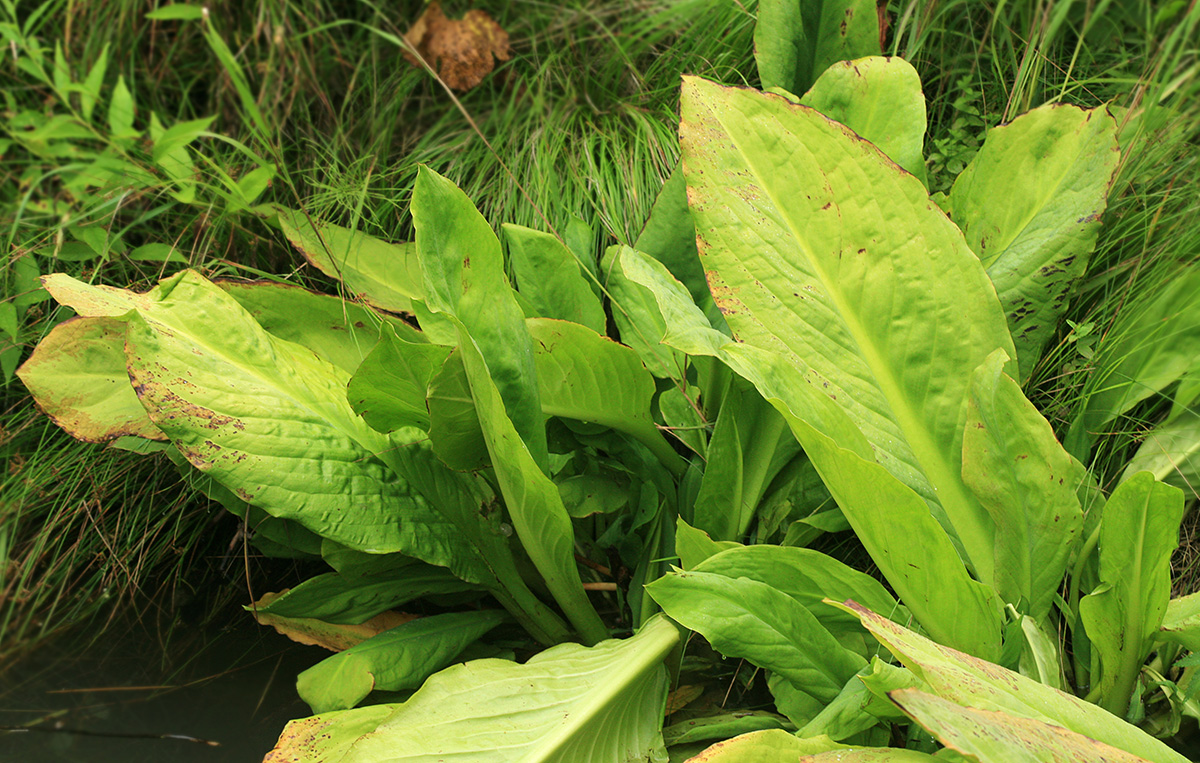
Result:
[
  {"x": 1150, "y": 346},
  {"x": 534, "y": 504},
  {"x": 549, "y": 276},
  {"x": 1029, "y": 204},
  {"x": 929, "y": 576},
  {"x": 795, "y": 42},
  {"x": 395, "y": 660},
  {"x": 387, "y": 276},
  {"x": 338, "y": 330},
  {"x": 749, "y": 446},
  {"x": 881, "y": 100},
  {"x": 570, "y": 703},
  {"x": 1028, "y": 485},
  {"x": 745, "y": 618},
  {"x": 766, "y": 746},
  {"x": 1171, "y": 451},
  {"x": 329, "y": 737},
  {"x": 819, "y": 247},
  {"x": 337, "y": 599},
  {"x": 77, "y": 376},
  {"x": 638, "y": 319},
  {"x": 390, "y": 386},
  {"x": 669, "y": 236},
  {"x": 269, "y": 420},
  {"x": 1138, "y": 533},
  {"x": 971, "y": 682},
  {"x": 809, "y": 577},
  {"x": 464, "y": 278},
  {"x": 994, "y": 736}
]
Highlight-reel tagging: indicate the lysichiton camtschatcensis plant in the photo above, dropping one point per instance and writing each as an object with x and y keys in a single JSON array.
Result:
[{"x": 808, "y": 343}]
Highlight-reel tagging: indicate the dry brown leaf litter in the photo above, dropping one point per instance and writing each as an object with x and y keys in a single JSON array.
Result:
[{"x": 461, "y": 51}]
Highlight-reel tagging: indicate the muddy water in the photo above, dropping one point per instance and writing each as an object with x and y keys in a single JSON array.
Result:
[{"x": 231, "y": 690}]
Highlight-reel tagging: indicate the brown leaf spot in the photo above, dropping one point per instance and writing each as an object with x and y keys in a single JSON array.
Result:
[{"x": 461, "y": 51}]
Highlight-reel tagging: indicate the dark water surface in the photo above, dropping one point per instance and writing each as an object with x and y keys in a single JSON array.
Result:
[{"x": 234, "y": 687}]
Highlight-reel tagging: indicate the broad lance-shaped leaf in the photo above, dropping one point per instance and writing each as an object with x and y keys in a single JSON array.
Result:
[
  {"x": 766, "y": 746},
  {"x": 532, "y": 500},
  {"x": 881, "y": 100},
  {"x": 384, "y": 275},
  {"x": 338, "y": 330},
  {"x": 808, "y": 577},
  {"x": 638, "y": 321},
  {"x": 337, "y": 599},
  {"x": 818, "y": 247},
  {"x": 77, "y": 376},
  {"x": 971, "y": 682},
  {"x": 389, "y": 387},
  {"x": 1181, "y": 622},
  {"x": 395, "y": 660},
  {"x": 795, "y": 42},
  {"x": 1029, "y": 204},
  {"x": 269, "y": 420},
  {"x": 993, "y": 736},
  {"x": 549, "y": 276},
  {"x": 669, "y": 236},
  {"x": 744, "y": 618},
  {"x": 1027, "y": 483},
  {"x": 1138, "y": 533},
  {"x": 464, "y": 278},
  {"x": 602, "y": 704},
  {"x": 929, "y": 576}
]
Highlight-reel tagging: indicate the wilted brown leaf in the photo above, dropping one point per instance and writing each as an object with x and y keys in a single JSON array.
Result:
[
  {"x": 460, "y": 51},
  {"x": 336, "y": 638}
]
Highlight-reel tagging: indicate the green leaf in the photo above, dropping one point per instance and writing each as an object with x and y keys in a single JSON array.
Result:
[
  {"x": 808, "y": 577},
  {"x": 121, "y": 110},
  {"x": 388, "y": 390},
  {"x": 329, "y": 737},
  {"x": 1138, "y": 533},
  {"x": 61, "y": 72},
  {"x": 721, "y": 726},
  {"x": 767, "y": 746},
  {"x": 971, "y": 682},
  {"x": 383, "y": 275},
  {"x": 337, "y": 330},
  {"x": 179, "y": 135},
  {"x": 395, "y": 660},
  {"x": 750, "y": 445},
  {"x": 157, "y": 253},
  {"x": 1027, "y": 483},
  {"x": 267, "y": 418},
  {"x": 872, "y": 755},
  {"x": 694, "y": 546},
  {"x": 745, "y": 618},
  {"x": 549, "y": 276},
  {"x": 862, "y": 703},
  {"x": 881, "y": 100},
  {"x": 337, "y": 599},
  {"x": 601, "y": 704},
  {"x": 928, "y": 576},
  {"x": 1029, "y": 204},
  {"x": 10, "y": 323},
  {"x": 1181, "y": 622},
  {"x": 669, "y": 236},
  {"x": 533, "y": 502},
  {"x": 90, "y": 93},
  {"x": 795, "y": 42},
  {"x": 464, "y": 277},
  {"x": 176, "y": 12},
  {"x": 637, "y": 318},
  {"x": 991, "y": 736},
  {"x": 77, "y": 376},
  {"x": 820, "y": 248}
]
